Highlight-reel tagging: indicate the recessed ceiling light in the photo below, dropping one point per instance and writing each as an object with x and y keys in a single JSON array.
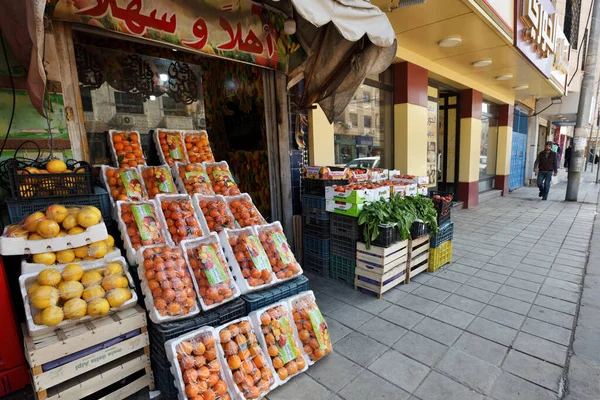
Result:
[
  {"x": 482, "y": 63},
  {"x": 521, "y": 87},
  {"x": 504, "y": 77},
  {"x": 152, "y": 97},
  {"x": 450, "y": 41},
  {"x": 163, "y": 77}
]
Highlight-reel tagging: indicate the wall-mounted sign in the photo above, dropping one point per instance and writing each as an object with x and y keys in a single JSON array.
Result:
[
  {"x": 364, "y": 140},
  {"x": 540, "y": 27}
]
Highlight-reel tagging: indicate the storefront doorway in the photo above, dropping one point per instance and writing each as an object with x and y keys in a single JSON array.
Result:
[
  {"x": 519, "y": 150},
  {"x": 448, "y": 141}
]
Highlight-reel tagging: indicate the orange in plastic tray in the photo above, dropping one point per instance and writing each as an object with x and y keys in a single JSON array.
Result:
[
  {"x": 221, "y": 179},
  {"x": 244, "y": 211},
  {"x": 181, "y": 219},
  {"x": 124, "y": 184},
  {"x": 128, "y": 149},
  {"x": 142, "y": 224},
  {"x": 171, "y": 146},
  {"x": 169, "y": 280},
  {"x": 158, "y": 180},
  {"x": 217, "y": 215},
  {"x": 198, "y": 147},
  {"x": 249, "y": 368},
  {"x": 280, "y": 255},
  {"x": 195, "y": 179},
  {"x": 241, "y": 245},
  {"x": 307, "y": 318}
]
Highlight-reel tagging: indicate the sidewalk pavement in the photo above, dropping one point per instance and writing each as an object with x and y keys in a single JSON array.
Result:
[{"x": 497, "y": 323}]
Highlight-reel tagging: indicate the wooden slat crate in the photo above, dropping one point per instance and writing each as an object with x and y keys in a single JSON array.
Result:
[
  {"x": 86, "y": 358},
  {"x": 379, "y": 269},
  {"x": 418, "y": 257}
]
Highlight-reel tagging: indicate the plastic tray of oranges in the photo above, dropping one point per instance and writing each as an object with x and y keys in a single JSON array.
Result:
[
  {"x": 123, "y": 184},
  {"x": 247, "y": 258},
  {"x": 278, "y": 250},
  {"x": 246, "y": 367},
  {"x": 310, "y": 326},
  {"x": 140, "y": 226},
  {"x": 125, "y": 148},
  {"x": 58, "y": 298},
  {"x": 244, "y": 211},
  {"x": 157, "y": 180},
  {"x": 221, "y": 178},
  {"x": 197, "y": 365},
  {"x": 213, "y": 280},
  {"x": 169, "y": 146},
  {"x": 278, "y": 340},
  {"x": 197, "y": 146},
  {"x": 166, "y": 283},
  {"x": 213, "y": 212},
  {"x": 178, "y": 216},
  {"x": 192, "y": 178}
]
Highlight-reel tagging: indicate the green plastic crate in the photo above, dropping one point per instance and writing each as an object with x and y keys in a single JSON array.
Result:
[{"x": 342, "y": 269}]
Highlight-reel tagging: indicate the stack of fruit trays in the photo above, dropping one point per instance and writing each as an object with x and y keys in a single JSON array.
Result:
[
  {"x": 125, "y": 148},
  {"x": 169, "y": 146},
  {"x": 157, "y": 180},
  {"x": 123, "y": 184},
  {"x": 140, "y": 226},
  {"x": 213, "y": 213},
  {"x": 178, "y": 216},
  {"x": 192, "y": 179}
]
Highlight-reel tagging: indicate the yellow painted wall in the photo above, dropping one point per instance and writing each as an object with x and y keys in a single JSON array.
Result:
[
  {"x": 410, "y": 139},
  {"x": 320, "y": 138},
  {"x": 470, "y": 147},
  {"x": 451, "y": 153},
  {"x": 504, "y": 150}
]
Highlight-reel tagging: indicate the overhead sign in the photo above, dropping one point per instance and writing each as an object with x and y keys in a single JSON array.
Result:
[
  {"x": 240, "y": 29},
  {"x": 364, "y": 140}
]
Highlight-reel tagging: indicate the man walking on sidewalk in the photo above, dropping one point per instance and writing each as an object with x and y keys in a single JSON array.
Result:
[{"x": 547, "y": 164}]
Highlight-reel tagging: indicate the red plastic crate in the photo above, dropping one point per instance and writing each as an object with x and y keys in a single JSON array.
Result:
[{"x": 13, "y": 379}]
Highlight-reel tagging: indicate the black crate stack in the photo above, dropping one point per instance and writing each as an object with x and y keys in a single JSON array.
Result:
[
  {"x": 315, "y": 234},
  {"x": 344, "y": 235}
]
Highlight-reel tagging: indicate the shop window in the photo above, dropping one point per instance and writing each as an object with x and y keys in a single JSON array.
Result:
[
  {"x": 86, "y": 99},
  {"x": 489, "y": 145},
  {"x": 354, "y": 120},
  {"x": 571, "y": 25},
  {"x": 367, "y": 121},
  {"x": 173, "y": 108},
  {"x": 128, "y": 104}
]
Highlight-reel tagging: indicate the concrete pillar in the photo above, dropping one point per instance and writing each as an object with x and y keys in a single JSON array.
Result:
[
  {"x": 505, "y": 122},
  {"x": 470, "y": 147},
  {"x": 410, "y": 119},
  {"x": 321, "y": 148}
]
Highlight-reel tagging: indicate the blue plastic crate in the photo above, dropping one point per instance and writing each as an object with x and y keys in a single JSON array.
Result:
[
  {"x": 316, "y": 265},
  {"x": 315, "y": 246},
  {"x": 313, "y": 206},
  {"x": 444, "y": 234},
  {"x": 254, "y": 301}
]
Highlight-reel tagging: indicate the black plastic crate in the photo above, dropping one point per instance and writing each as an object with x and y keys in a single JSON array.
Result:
[
  {"x": 388, "y": 235},
  {"x": 316, "y": 265},
  {"x": 343, "y": 225},
  {"x": 443, "y": 217},
  {"x": 343, "y": 269},
  {"x": 25, "y": 185},
  {"x": 257, "y": 300},
  {"x": 445, "y": 233},
  {"x": 314, "y": 206},
  {"x": 441, "y": 206},
  {"x": 342, "y": 246},
  {"x": 317, "y": 186},
  {"x": 314, "y": 227},
  {"x": 418, "y": 229},
  {"x": 315, "y": 246}
]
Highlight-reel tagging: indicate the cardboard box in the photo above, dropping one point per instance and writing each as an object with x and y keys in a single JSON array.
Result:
[
  {"x": 411, "y": 190},
  {"x": 349, "y": 196},
  {"x": 349, "y": 209},
  {"x": 377, "y": 175}
]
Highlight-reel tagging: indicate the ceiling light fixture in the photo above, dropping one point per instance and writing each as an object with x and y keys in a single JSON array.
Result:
[
  {"x": 504, "y": 77},
  {"x": 450, "y": 41},
  {"x": 163, "y": 77},
  {"x": 152, "y": 97},
  {"x": 482, "y": 63},
  {"x": 521, "y": 87}
]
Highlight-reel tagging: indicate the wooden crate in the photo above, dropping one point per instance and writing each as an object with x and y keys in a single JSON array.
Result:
[
  {"x": 383, "y": 258},
  {"x": 418, "y": 257},
  {"x": 82, "y": 360},
  {"x": 379, "y": 269}
]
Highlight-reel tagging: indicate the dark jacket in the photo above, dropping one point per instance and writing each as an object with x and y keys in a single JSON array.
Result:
[{"x": 546, "y": 162}]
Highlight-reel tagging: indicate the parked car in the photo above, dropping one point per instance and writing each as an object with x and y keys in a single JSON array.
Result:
[{"x": 364, "y": 162}]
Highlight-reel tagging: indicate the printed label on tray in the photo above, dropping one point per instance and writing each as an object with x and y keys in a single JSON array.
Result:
[
  {"x": 319, "y": 327},
  {"x": 284, "y": 340},
  {"x": 132, "y": 184},
  {"x": 175, "y": 148},
  {"x": 165, "y": 183},
  {"x": 257, "y": 253},
  {"x": 225, "y": 176},
  {"x": 196, "y": 176},
  {"x": 215, "y": 272},
  {"x": 282, "y": 247},
  {"x": 145, "y": 220}
]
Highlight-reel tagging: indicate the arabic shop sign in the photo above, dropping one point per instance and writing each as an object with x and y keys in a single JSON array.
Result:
[{"x": 236, "y": 29}]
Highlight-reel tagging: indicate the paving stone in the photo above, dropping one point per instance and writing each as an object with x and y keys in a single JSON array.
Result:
[
  {"x": 565, "y": 276},
  {"x": 510, "y": 304},
  {"x": 516, "y": 293},
  {"x": 478, "y": 257},
  {"x": 552, "y": 317},
  {"x": 562, "y": 284},
  {"x": 327, "y": 303},
  {"x": 586, "y": 344},
  {"x": 396, "y": 294},
  {"x": 399, "y": 369},
  {"x": 418, "y": 304},
  {"x": 383, "y": 331},
  {"x": 443, "y": 284},
  {"x": 453, "y": 276},
  {"x": 547, "y": 331},
  {"x": 471, "y": 262},
  {"x": 371, "y": 304},
  {"x": 510, "y": 387},
  {"x": 584, "y": 376},
  {"x": 401, "y": 316},
  {"x": 342, "y": 292},
  {"x": 535, "y": 261},
  {"x": 350, "y": 316},
  {"x": 541, "y": 348},
  {"x": 533, "y": 269},
  {"x": 370, "y": 386},
  {"x": 420, "y": 348},
  {"x": 483, "y": 284},
  {"x": 521, "y": 284},
  {"x": 438, "y": 331},
  {"x": 503, "y": 317},
  {"x": 528, "y": 276},
  {"x": 422, "y": 278},
  {"x": 493, "y": 331},
  {"x": 569, "y": 270},
  {"x": 588, "y": 318},
  {"x": 334, "y": 371},
  {"x": 301, "y": 385},
  {"x": 359, "y": 348},
  {"x": 464, "y": 304},
  {"x": 469, "y": 370},
  {"x": 503, "y": 261},
  {"x": 491, "y": 276},
  {"x": 407, "y": 288},
  {"x": 498, "y": 269},
  {"x": 439, "y": 387},
  {"x": 337, "y": 330},
  {"x": 474, "y": 293},
  {"x": 571, "y": 262},
  {"x": 556, "y": 304},
  {"x": 490, "y": 352},
  {"x": 533, "y": 369},
  {"x": 431, "y": 293},
  {"x": 452, "y": 316},
  {"x": 463, "y": 269},
  {"x": 562, "y": 294},
  {"x": 485, "y": 252}
]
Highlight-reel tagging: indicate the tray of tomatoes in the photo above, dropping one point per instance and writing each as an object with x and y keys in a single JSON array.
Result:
[
  {"x": 248, "y": 260},
  {"x": 166, "y": 283},
  {"x": 139, "y": 225},
  {"x": 192, "y": 178},
  {"x": 212, "y": 276},
  {"x": 244, "y": 211},
  {"x": 125, "y": 148},
  {"x": 310, "y": 326},
  {"x": 275, "y": 330},
  {"x": 123, "y": 184},
  {"x": 278, "y": 250},
  {"x": 221, "y": 178},
  {"x": 178, "y": 216},
  {"x": 197, "y": 365},
  {"x": 169, "y": 146},
  {"x": 197, "y": 146},
  {"x": 246, "y": 367},
  {"x": 213, "y": 213},
  {"x": 157, "y": 180}
]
